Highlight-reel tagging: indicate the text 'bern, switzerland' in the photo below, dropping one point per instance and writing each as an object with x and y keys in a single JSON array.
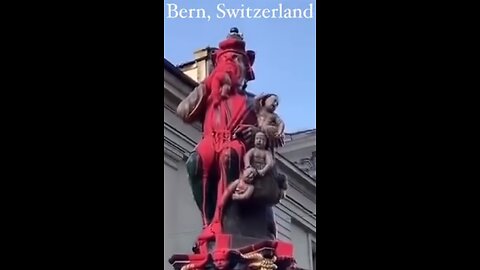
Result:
[{"x": 223, "y": 11}]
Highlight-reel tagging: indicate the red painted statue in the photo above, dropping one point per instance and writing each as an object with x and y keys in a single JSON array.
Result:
[{"x": 230, "y": 118}]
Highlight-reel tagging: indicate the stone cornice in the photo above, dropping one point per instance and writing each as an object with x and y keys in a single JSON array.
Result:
[
  {"x": 188, "y": 145},
  {"x": 299, "y": 213},
  {"x": 178, "y": 73},
  {"x": 307, "y": 180}
]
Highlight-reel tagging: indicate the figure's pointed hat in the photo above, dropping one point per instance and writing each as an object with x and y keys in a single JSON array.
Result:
[{"x": 234, "y": 43}]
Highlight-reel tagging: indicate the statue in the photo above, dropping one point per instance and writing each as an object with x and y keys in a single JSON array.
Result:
[{"x": 231, "y": 172}]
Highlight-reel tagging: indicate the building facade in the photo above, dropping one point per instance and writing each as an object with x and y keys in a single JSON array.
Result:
[{"x": 295, "y": 215}]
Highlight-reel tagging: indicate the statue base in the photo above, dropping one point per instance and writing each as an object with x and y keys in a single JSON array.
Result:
[{"x": 231, "y": 252}]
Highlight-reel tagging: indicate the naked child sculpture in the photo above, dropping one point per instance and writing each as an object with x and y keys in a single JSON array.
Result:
[
  {"x": 240, "y": 189},
  {"x": 262, "y": 161},
  {"x": 268, "y": 120},
  {"x": 259, "y": 157}
]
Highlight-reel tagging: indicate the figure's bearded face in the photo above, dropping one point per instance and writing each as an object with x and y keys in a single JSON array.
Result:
[{"x": 237, "y": 62}]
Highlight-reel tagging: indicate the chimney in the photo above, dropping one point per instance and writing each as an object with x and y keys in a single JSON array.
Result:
[{"x": 201, "y": 66}]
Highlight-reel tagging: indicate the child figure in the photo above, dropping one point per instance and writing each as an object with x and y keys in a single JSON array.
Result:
[
  {"x": 259, "y": 157},
  {"x": 268, "y": 121},
  {"x": 258, "y": 161},
  {"x": 244, "y": 189},
  {"x": 240, "y": 189}
]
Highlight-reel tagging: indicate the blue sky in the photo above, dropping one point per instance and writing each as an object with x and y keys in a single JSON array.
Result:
[{"x": 285, "y": 51}]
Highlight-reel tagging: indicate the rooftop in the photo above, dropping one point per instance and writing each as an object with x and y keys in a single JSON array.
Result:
[
  {"x": 178, "y": 73},
  {"x": 300, "y": 134},
  {"x": 189, "y": 63}
]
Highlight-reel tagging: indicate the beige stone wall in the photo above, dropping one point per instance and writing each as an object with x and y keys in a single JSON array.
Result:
[
  {"x": 201, "y": 66},
  {"x": 191, "y": 72}
]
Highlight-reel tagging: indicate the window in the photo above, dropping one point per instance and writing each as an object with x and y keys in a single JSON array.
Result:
[{"x": 304, "y": 246}]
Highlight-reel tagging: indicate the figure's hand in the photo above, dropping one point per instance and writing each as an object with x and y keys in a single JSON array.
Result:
[
  {"x": 246, "y": 132},
  {"x": 279, "y": 139},
  {"x": 250, "y": 174},
  {"x": 261, "y": 173},
  {"x": 189, "y": 106},
  {"x": 276, "y": 142},
  {"x": 254, "y": 173},
  {"x": 249, "y": 178}
]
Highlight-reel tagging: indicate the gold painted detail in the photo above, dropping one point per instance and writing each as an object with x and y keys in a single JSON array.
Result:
[
  {"x": 188, "y": 267},
  {"x": 258, "y": 262}
]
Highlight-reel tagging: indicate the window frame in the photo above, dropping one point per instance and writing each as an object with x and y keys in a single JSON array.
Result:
[{"x": 312, "y": 246}]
